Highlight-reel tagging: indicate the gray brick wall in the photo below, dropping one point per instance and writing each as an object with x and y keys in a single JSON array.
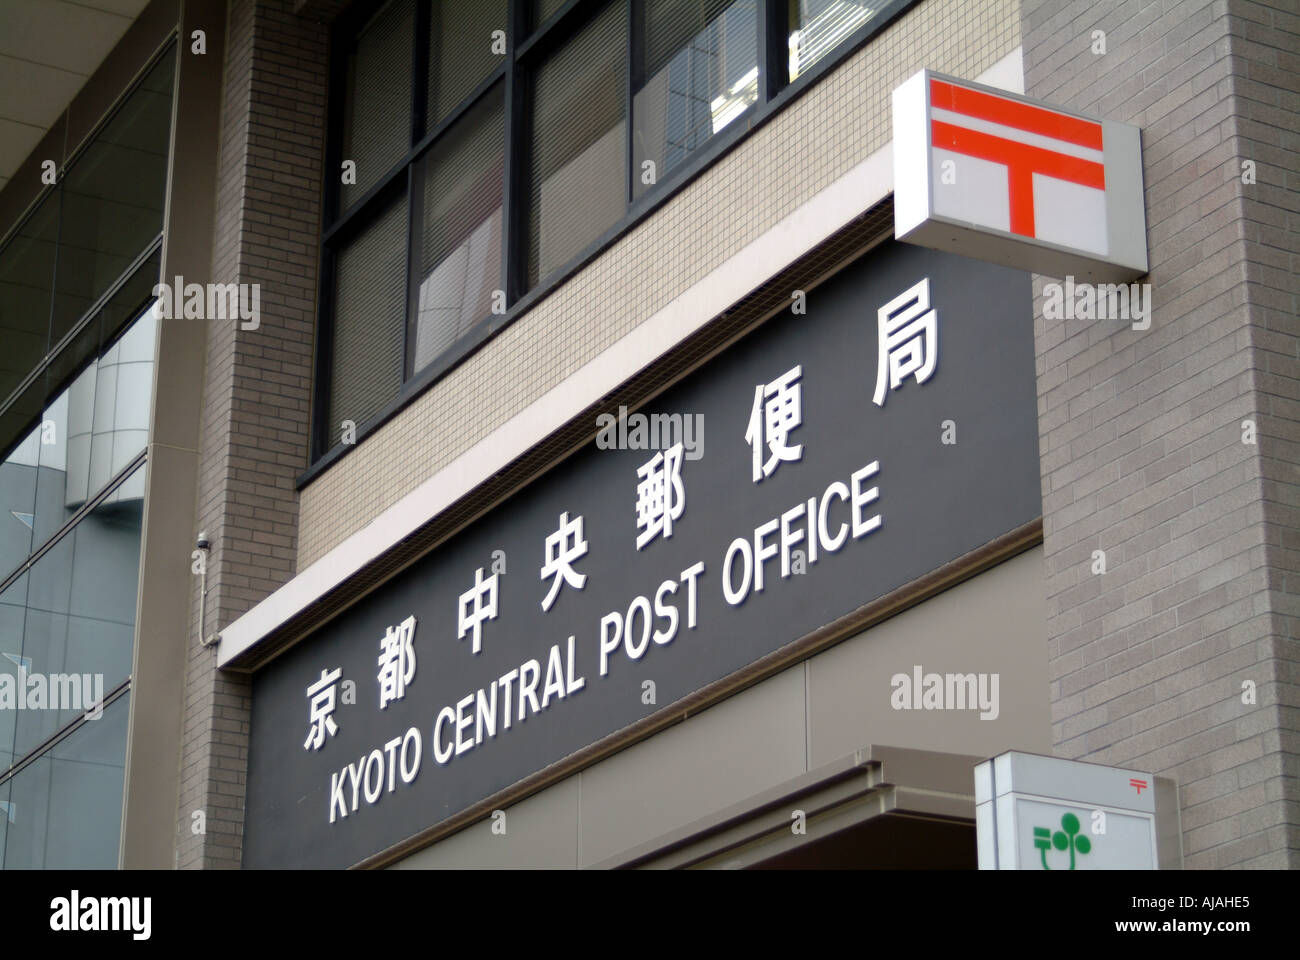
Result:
[
  {"x": 257, "y": 386},
  {"x": 1141, "y": 431}
]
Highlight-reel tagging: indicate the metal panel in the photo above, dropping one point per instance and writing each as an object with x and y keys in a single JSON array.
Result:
[
  {"x": 720, "y": 757},
  {"x": 991, "y": 625}
]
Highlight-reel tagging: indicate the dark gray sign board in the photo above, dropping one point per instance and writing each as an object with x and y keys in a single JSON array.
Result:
[{"x": 330, "y": 797}]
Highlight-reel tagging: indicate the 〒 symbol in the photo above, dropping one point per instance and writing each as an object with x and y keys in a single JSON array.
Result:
[{"x": 1071, "y": 839}]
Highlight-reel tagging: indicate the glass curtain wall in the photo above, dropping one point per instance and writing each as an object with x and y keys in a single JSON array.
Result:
[{"x": 76, "y": 287}]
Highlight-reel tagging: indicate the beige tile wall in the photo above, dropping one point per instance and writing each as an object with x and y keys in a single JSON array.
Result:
[{"x": 836, "y": 125}]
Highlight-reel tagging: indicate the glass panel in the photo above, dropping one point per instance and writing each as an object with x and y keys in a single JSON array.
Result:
[
  {"x": 18, "y": 501},
  {"x": 113, "y": 197},
  {"x": 461, "y": 51},
  {"x": 95, "y": 427},
  {"x": 130, "y": 302},
  {"x": 541, "y": 9},
  {"x": 577, "y": 180},
  {"x": 377, "y": 106},
  {"x": 13, "y": 619},
  {"x": 7, "y": 816},
  {"x": 369, "y": 320},
  {"x": 79, "y": 605},
  {"x": 702, "y": 73},
  {"x": 460, "y": 245},
  {"x": 819, "y": 26},
  {"x": 26, "y": 282},
  {"x": 65, "y": 808}
]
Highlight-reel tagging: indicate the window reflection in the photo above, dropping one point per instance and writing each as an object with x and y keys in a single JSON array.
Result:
[
  {"x": 87, "y": 435},
  {"x": 113, "y": 198},
  {"x": 819, "y": 26},
  {"x": 64, "y": 809},
  {"x": 578, "y": 169},
  {"x": 74, "y": 612},
  {"x": 460, "y": 247},
  {"x": 377, "y": 118},
  {"x": 702, "y": 69},
  {"x": 26, "y": 283}
]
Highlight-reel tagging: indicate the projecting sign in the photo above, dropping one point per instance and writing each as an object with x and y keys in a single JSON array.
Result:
[
  {"x": 827, "y": 458},
  {"x": 988, "y": 174},
  {"x": 1044, "y": 813}
]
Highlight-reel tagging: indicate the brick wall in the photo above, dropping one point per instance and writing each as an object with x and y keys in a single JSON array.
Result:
[
  {"x": 257, "y": 386},
  {"x": 1265, "y": 41},
  {"x": 1141, "y": 431}
]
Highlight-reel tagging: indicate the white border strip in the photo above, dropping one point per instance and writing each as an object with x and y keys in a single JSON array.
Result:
[
  {"x": 1019, "y": 136},
  {"x": 857, "y": 191}
]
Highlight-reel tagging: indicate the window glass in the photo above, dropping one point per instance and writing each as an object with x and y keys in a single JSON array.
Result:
[
  {"x": 461, "y": 51},
  {"x": 542, "y": 9},
  {"x": 18, "y": 501},
  {"x": 77, "y": 609},
  {"x": 369, "y": 320},
  {"x": 86, "y": 436},
  {"x": 817, "y": 27},
  {"x": 26, "y": 282},
  {"x": 135, "y": 293},
  {"x": 64, "y": 809},
  {"x": 377, "y": 104},
  {"x": 113, "y": 197},
  {"x": 95, "y": 428},
  {"x": 701, "y": 73},
  {"x": 578, "y": 172},
  {"x": 460, "y": 238}
]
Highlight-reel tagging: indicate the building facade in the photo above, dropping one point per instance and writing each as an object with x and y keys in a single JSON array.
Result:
[{"x": 508, "y": 434}]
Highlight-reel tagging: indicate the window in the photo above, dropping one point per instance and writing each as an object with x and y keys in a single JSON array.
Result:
[
  {"x": 509, "y": 158},
  {"x": 459, "y": 246},
  {"x": 74, "y": 612},
  {"x": 578, "y": 179},
  {"x": 377, "y": 124},
  {"x": 68, "y": 617},
  {"x": 86, "y": 232},
  {"x": 26, "y": 288},
  {"x": 542, "y": 10},
  {"x": 88, "y": 434},
  {"x": 112, "y": 199},
  {"x": 700, "y": 74},
  {"x": 818, "y": 27},
  {"x": 461, "y": 52},
  {"x": 63, "y": 809},
  {"x": 76, "y": 384},
  {"x": 85, "y": 260},
  {"x": 369, "y": 320}
]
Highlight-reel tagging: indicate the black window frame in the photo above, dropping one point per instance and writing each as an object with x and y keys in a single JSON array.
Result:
[{"x": 525, "y": 49}]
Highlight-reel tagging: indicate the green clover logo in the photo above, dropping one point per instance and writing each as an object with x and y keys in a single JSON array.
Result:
[{"x": 1071, "y": 839}]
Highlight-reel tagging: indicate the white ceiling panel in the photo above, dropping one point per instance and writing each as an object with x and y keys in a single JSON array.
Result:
[
  {"x": 59, "y": 34},
  {"x": 48, "y": 49},
  {"x": 17, "y": 140}
]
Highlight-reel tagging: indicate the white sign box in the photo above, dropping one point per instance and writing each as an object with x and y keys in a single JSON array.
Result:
[
  {"x": 1043, "y": 813},
  {"x": 999, "y": 177}
]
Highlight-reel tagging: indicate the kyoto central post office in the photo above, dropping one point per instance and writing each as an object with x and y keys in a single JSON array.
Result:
[{"x": 529, "y": 433}]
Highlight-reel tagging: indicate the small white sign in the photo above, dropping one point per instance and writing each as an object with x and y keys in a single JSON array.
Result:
[{"x": 1043, "y": 813}]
